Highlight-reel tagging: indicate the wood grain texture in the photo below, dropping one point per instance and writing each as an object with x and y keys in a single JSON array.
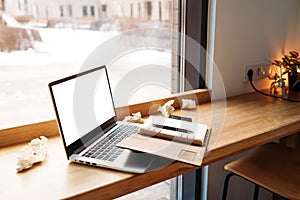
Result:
[
  {"x": 25, "y": 133},
  {"x": 252, "y": 120},
  {"x": 238, "y": 124}
]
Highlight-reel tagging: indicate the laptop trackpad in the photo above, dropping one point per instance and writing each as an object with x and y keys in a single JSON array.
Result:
[
  {"x": 138, "y": 160},
  {"x": 146, "y": 161}
]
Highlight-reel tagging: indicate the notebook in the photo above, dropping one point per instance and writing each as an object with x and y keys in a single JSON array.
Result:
[
  {"x": 87, "y": 121},
  {"x": 175, "y": 130},
  {"x": 170, "y": 138}
]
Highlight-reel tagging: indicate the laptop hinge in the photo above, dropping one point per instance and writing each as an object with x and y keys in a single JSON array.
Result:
[{"x": 77, "y": 151}]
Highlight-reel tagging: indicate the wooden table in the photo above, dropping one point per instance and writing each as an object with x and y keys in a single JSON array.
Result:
[{"x": 239, "y": 123}]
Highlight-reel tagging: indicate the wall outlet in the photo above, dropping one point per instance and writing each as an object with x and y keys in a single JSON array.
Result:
[{"x": 260, "y": 71}]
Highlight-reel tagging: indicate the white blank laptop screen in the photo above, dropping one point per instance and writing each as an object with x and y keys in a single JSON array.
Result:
[{"x": 83, "y": 103}]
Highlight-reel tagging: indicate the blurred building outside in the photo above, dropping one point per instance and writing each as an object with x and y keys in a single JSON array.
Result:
[
  {"x": 99, "y": 15},
  {"x": 90, "y": 14}
]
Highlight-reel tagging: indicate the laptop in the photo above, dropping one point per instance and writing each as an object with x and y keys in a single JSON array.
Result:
[{"x": 87, "y": 121}]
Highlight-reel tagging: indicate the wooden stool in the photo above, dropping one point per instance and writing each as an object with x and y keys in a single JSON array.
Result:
[{"x": 273, "y": 166}]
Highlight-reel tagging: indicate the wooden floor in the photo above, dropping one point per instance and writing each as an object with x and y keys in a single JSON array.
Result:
[{"x": 160, "y": 191}]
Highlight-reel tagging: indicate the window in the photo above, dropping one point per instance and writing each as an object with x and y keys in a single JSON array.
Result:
[
  {"x": 103, "y": 11},
  {"x": 104, "y": 8},
  {"x": 92, "y": 9},
  {"x": 19, "y": 4},
  {"x": 84, "y": 11},
  {"x": 159, "y": 10},
  {"x": 149, "y": 9},
  {"x": 61, "y": 11},
  {"x": 70, "y": 10},
  {"x": 139, "y": 8}
]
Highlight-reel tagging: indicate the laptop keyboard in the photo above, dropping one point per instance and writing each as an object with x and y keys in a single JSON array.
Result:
[{"x": 106, "y": 149}]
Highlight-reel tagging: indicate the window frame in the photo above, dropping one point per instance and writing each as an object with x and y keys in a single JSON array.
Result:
[
  {"x": 192, "y": 79},
  {"x": 198, "y": 34}
]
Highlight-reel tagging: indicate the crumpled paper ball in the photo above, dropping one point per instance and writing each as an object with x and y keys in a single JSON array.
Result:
[
  {"x": 167, "y": 109},
  {"x": 135, "y": 118},
  {"x": 188, "y": 104},
  {"x": 34, "y": 152}
]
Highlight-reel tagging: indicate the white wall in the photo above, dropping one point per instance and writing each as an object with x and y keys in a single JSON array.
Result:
[
  {"x": 252, "y": 32},
  {"x": 249, "y": 32}
]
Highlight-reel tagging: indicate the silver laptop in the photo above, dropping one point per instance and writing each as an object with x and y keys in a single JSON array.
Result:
[{"x": 88, "y": 125}]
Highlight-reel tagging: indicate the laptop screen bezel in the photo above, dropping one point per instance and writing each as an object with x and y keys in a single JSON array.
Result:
[{"x": 90, "y": 137}]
